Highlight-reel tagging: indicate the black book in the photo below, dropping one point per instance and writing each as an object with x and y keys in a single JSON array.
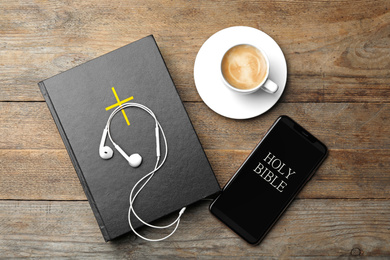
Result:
[{"x": 81, "y": 100}]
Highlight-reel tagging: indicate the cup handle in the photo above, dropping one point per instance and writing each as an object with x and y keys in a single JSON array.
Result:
[{"x": 270, "y": 86}]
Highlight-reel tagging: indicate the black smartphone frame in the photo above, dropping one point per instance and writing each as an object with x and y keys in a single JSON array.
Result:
[{"x": 294, "y": 126}]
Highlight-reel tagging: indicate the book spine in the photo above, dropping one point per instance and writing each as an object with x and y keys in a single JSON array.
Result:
[{"x": 68, "y": 147}]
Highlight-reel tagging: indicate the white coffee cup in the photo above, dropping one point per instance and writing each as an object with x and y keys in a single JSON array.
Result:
[{"x": 244, "y": 69}]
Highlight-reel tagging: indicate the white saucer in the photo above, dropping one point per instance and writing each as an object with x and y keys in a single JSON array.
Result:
[{"x": 212, "y": 90}]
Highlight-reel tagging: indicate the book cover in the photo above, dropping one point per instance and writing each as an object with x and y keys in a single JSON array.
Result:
[{"x": 81, "y": 100}]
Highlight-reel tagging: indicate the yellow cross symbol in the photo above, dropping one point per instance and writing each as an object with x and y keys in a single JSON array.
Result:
[{"x": 120, "y": 103}]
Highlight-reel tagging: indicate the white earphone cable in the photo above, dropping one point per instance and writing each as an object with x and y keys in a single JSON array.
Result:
[{"x": 150, "y": 174}]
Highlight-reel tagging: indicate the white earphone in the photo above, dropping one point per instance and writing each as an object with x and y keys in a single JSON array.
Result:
[
  {"x": 106, "y": 152},
  {"x": 135, "y": 160}
]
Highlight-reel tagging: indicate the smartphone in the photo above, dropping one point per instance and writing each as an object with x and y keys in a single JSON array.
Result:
[{"x": 269, "y": 179}]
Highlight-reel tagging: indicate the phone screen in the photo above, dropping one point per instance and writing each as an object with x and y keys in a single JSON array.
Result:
[{"x": 269, "y": 179}]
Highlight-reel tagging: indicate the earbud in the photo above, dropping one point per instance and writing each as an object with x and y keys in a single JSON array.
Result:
[
  {"x": 105, "y": 152},
  {"x": 134, "y": 160}
]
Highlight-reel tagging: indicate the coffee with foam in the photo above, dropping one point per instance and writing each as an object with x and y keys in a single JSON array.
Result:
[{"x": 244, "y": 67}]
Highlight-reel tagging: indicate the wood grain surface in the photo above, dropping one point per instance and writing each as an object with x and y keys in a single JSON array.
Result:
[
  {"x": 338, "y": 57},
  {"x": 309, "y": 229}
]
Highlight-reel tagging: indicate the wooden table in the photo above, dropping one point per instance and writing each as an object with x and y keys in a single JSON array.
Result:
[{"x": 338, "y": 55}]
